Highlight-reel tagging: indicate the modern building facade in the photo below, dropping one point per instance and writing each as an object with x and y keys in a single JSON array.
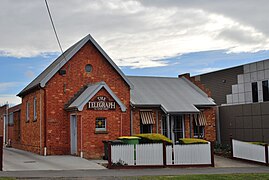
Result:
[
  {"x": 242, "y": 94},
  {"x": 83, "y": 98}
]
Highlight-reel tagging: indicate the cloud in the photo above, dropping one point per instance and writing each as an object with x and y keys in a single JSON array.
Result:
[
  {"x": 11, "y": 99},
  {"x": 5, "y": 86},
  {"x": 135, "y": 33},
  {"x": 30, "y": 74},
  {"x": 206, "y": 70}
]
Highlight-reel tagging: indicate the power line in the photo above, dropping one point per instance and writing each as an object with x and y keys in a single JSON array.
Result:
[{"x": 53, "y": 26}]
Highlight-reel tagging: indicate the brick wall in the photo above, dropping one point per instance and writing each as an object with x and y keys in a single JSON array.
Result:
[
  {"x": 60, "y": 89},
  {"x": 30, "y": 137},
  {"x": 210, "y": 128},
  {"x": 187, "y": 126},
  {"x": 137, "y": 119},
  {"x": 197, "y": 83},
  {"x": 2, "y": 113},
  {"x": 15, "y": 138},
  {"x": 117, "y": 124}
]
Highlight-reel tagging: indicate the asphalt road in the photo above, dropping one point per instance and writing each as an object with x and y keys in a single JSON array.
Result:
[{"x": 115, "y": 174}]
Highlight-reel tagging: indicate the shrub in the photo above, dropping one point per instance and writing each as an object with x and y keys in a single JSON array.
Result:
[
  {"x": 127, "y": 137},
  {"x": 258, "y": 143},
  {"x": 153, "y": 138},
  {"x": 192, "y": 141}
]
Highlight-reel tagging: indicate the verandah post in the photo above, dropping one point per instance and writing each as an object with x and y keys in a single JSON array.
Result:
[
  {"x": 164, "y": 154},
  {"x": 109, "y": 155},
  {"x": 266, "y": 155}
]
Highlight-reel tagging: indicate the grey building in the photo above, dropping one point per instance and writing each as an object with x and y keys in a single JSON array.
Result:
[{"x": 242, "y": 96}]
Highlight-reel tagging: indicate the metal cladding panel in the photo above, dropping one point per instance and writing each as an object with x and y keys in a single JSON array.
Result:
[
  {"x": 245, "y": 121},
  {"x": 220, "y": 82},
  {"x": 172, "y": 94}
]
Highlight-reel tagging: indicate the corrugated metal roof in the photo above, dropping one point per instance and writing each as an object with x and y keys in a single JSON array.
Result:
[
  {"x": 79, "y": 101},
  {"x": 174, "y": 95},
  {"x": 53, "y": 68}
]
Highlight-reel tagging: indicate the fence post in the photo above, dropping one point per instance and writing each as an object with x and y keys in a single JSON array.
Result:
[
  {"x": 164, "y": 153},
  {"x": 212, "y": 153},
  {"x": 109, "y": 155},
  {"x": 231, "y": 143},
  {"x": 266, "y": 154},
  {"x": 1, "y": 153}
]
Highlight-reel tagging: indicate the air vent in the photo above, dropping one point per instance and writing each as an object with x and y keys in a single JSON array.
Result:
[{"x": 62, "y": 72}]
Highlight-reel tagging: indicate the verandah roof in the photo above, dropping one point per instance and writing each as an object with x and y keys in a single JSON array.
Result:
[{"x": 173, "y": 95}]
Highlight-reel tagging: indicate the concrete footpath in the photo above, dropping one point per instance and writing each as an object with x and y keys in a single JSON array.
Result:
[
  {"x": 22, "y": 164},
  {"x": 18, "y": 160}
]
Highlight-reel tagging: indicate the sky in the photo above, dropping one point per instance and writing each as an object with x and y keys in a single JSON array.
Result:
[{"x": 143, "y": 37}]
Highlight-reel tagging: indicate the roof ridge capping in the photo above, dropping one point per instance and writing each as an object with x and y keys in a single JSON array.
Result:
[{"x": 54, "y": 67}]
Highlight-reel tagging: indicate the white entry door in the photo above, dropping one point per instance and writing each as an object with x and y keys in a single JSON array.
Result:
[{"x": 73, "y": 134}]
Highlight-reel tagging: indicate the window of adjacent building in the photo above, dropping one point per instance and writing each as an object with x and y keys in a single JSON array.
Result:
[
  {"x": 265, "y": 90},
  {"x": 10, "y": 119},
  {"x": 254, "y": 92},
  {"x": 100, "y": 124},
  {"x": 27, "y": 111},
  {"x": 35, "y": 113}
]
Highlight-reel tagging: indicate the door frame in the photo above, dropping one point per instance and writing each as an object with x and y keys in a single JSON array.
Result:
[
  {"x": 73, "y": 139},
  {"x": 172, "y": 123}
]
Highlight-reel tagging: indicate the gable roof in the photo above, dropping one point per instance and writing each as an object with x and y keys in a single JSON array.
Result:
[
  {"x": 83, "y": 97},
  {"x": 53, "y": 68},
  {"x": 173, "y": 95}
]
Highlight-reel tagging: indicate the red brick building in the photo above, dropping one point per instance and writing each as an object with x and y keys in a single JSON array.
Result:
[
  {"x": 83, "y": 98},
  {"x": 3, "y": 121},
  {"x": 10, "y": 124}
]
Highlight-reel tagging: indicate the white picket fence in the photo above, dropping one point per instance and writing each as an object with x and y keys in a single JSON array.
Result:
[
  {"x": 123, "y": 154},
  {"x": 142, "y": 154},
  {"x": 149, "y": 154},
  {"x": 248, "y": 151},
  {"x": 152, "y": 155},
  {"x": 192, "y": 154}
]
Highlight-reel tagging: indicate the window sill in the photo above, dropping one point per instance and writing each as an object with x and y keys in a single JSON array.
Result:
[
  {"x": 35, "y": 120},
  {"x": 100, "y": 132}
]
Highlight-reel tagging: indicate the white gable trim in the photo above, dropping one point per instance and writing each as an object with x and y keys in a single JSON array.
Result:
[{"x": 87, "y": 97}]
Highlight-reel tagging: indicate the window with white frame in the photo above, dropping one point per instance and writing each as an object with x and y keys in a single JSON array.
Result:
[
  {"x": 35, "y": 113},
  {"x": 27, "y": 111},
  {"x": 100, "y": 124}
]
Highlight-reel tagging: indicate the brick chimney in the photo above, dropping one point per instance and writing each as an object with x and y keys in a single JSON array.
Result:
[{"x": 197, "y": 83}]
